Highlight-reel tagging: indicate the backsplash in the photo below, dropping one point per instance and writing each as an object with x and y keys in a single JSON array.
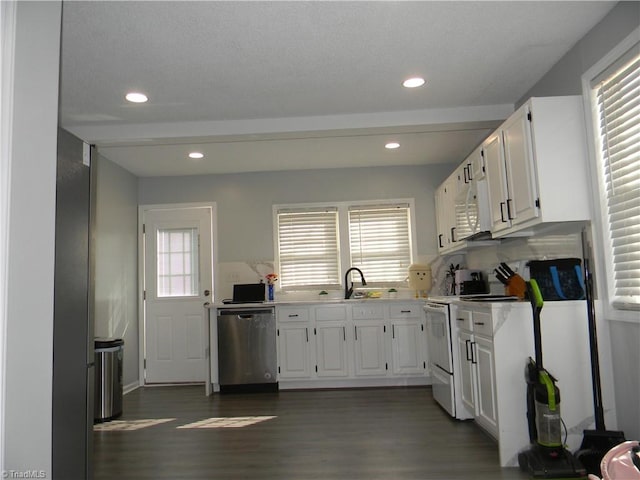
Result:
[
  {"x": 254, "y": 271},
  {"x": 514, "y": 251},
  {"x": 230, "y": 273}
]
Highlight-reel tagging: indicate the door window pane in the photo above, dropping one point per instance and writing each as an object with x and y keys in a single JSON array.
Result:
[{"x": 177, "y": 262}]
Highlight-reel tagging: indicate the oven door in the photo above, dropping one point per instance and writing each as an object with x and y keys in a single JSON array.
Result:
[{"x": 438, "y": 337}]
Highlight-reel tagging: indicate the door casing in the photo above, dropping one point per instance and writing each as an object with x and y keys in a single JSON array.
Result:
[{"x": 214, "y": 260}]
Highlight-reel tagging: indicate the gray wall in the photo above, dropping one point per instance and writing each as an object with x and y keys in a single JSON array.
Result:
[
  {"x": 565, "y": 79},
  {"x": 116, "y": 254},
  {"x": 27, "y": 378},
  {"x": 244, "y": 201}
]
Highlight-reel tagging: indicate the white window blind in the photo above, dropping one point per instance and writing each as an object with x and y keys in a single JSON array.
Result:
[
  {"x": 380, "y": 241},
  {"x": 617, "y": 98},
  {"x": 308, "y": 251}
]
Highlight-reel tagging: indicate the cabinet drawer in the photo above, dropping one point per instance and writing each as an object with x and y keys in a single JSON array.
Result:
[
  {"x": 405, "y": 311},
  {"x": 293, "y": 314},
  {"x": 367, "y": 311},
  {"x": 482, "y": 324},
  {"x": 463, "y": 320},
  {"x": 330, "y": 313}
]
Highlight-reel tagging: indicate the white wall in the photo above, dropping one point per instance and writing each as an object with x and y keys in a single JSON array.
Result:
[
  {"x": 29, "y": 306},
  {"x": 565, "y": 79},
  {"x": 116, "y": 264}
]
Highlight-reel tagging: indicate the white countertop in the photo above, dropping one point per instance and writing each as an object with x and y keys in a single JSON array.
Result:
[{"x": 328, "y": 301}]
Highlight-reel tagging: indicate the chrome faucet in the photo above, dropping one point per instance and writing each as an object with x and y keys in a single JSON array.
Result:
[{"x": 348, "y": 290}]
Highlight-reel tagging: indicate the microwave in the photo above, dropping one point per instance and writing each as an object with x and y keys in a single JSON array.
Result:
[{"x": 472, "y": 211}]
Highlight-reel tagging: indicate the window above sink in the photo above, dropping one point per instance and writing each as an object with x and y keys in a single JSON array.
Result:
[{"x": 315, "y": 242}]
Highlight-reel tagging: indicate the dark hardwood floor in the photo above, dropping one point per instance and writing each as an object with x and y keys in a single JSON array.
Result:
[{"x": 364, "y": 434}]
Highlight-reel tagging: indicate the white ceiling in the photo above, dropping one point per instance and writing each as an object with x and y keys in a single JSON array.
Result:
[{"x": 277, "y": 85}]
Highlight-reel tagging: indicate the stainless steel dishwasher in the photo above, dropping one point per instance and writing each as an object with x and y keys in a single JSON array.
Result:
[{"x": 247, "y": 359}]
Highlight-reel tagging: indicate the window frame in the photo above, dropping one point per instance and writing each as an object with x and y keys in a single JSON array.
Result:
[
  {"x": 600, "y": 222},
  {"x": 343, "y": 237},
  {"x": 276, "y": 242}
]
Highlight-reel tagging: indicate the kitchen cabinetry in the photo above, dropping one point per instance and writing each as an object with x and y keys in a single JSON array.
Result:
[
  {"x": 408, "y": 342},
  {"x": 487, "y": 411},
  {"x": 294, "y": 348},
  {"x": 462, "y": 204},
  {"x": 466, "y": 371},
  {"x": 367, "y": 343},
  {"x": 445, "y": 213},
  {"x": 495, "y": 341},
  {"x": 330, "y": 332},
  {"x": 535, "y": 166},
  {"x": 475, "y": 339},
  {"x": 370, "y": 345}
]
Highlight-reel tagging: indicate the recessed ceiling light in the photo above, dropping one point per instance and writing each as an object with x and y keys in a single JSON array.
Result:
[
  {"x": 196, "y": 155},
  {"x": 413, "y": 82},
  {"x": 392, "y": 145},
  {"x": 136, "y": 97}
]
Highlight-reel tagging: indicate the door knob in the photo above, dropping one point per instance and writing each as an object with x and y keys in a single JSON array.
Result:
[{"x": 207, "y": 293}]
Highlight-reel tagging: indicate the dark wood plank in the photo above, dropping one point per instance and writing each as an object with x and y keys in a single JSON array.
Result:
[{"x": 390, "y": 434}]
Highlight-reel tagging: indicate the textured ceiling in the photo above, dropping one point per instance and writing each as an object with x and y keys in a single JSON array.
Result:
[{"x": 284, "y": 85}]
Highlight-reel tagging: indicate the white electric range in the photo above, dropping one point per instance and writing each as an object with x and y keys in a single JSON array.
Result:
[{"x": 441, "y": 355}]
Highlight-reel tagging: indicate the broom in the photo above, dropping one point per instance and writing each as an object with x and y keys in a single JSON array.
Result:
[{"x": 595, "y": 443}]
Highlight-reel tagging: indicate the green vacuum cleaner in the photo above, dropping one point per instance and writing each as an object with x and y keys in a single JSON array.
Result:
[{"x": 546, "y": 457}]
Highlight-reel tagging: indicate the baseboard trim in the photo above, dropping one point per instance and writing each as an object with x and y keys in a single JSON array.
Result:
[
  {"x": 130, "y": 387},
  {"x": 285, "y": 384}
]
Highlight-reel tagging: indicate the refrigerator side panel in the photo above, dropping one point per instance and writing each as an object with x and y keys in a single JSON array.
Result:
[{"x": 71, "y": 348}]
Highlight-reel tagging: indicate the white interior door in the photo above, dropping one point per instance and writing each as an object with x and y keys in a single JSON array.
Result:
[{"x": 177, "y": 282}]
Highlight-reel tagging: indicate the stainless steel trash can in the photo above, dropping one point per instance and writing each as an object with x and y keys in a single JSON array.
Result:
[{"x": 108, "y": 385}]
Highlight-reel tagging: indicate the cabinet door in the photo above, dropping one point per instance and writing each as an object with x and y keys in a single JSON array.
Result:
[
  {"x": 406, "y": 347},
  {"x": 294, "y": 353},
  {"x": 331, "y": 350},
  {"x": 496, "y": 181},
  {"x": 518, "y": 155},
  {"x": 369, "y": 348},
  {"x": 477, "y": 164},
  {"x": 466, "y": 371},
  {"x": 441, "y": 221},
  {"x": 487, "y": 411}
]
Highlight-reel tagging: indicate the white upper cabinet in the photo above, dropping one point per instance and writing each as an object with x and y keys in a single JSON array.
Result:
[
  {"x": 445, "y": 213},
  {"x": 536, "y": 165}
]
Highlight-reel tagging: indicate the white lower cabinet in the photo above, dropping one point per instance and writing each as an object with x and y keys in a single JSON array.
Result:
[
  {"x": 495, "y": 341},
  {"x": 467, "y": 371},
  {"x": 294, "y": 351},
  {"x": 370, "y": 348},
  {"x": 368, "y": 343},
  {"x": 294, "y": 348},
  {"x": 407, "y": 340},
  {"x": 487, "y": 410},
  {"x": 331, "y": 349}
]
